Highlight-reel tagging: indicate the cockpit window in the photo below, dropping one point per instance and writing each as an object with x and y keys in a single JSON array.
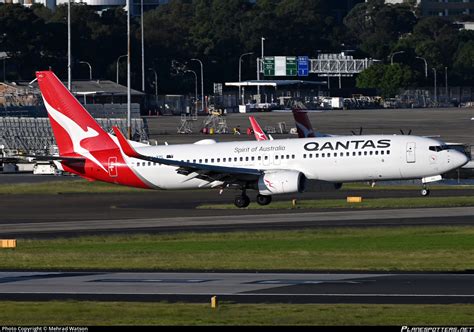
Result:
[{"x": 438, "y": 148}]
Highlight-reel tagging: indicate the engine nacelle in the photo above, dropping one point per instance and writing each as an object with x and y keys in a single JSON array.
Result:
[{"x": 281, "y": 182}]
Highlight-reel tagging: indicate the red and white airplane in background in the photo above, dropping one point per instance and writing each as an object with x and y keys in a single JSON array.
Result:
[
  {"x": 303, "y": 127},
  {"x": 271, "y": 167}
]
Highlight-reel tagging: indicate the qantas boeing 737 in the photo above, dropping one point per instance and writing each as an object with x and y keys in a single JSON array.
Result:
[{"x": 271, "y": 167}]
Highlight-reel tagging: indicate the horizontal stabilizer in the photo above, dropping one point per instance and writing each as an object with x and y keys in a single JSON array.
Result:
[{"x": 58, "y": 158}]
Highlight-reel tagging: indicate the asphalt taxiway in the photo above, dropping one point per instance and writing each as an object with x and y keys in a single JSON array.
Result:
[
  {"x": 225, "y": 221},
  {"x": 239, "y": 287}
]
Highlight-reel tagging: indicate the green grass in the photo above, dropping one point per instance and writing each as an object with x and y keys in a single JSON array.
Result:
[
  {"x": 66, "y": 187},
  {"x": 73, "y": 313},
  {"x": 371, "y": 203},
  {"x": 80, "y": 185},
  {"x": 382, "y": 186},
  {"x": 385, "y": 249}
]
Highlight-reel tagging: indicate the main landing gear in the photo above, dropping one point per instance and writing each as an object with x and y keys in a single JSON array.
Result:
[{"x": 242, "y": 201}]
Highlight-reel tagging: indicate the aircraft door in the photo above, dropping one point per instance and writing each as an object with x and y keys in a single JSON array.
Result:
[
  {"x": 411, "y": 154},
  {"x": 113, "y": 169}
]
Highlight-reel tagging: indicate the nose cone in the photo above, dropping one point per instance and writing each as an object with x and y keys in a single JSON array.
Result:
[{"x": 459, "y": 159}]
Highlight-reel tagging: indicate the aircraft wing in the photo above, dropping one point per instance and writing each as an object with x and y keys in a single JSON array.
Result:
[{"x": 201, "y": 171}]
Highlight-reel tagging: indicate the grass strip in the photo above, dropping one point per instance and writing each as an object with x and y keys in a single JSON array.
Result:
[
  {"x": 66, "y": 187},
  {"x": 80, "y": 185},
  {"x": 439, "y": 248},
  {"x": 371, "y": 203},
  {"x": 73, "y": 313}
]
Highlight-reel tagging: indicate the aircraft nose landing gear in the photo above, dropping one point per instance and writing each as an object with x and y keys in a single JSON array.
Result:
[{"x": 425, "y": 191}]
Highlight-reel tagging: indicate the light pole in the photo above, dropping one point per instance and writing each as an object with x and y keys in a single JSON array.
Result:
[
  {"x": 435, "y": 92},
  {"x": 118, "y": 59},
  {"x": 240, "y": 74},
  {"x": 143, "y": 48},
  {"x": 260, "y": 63},
  {"x": 426, "y": 65},
  {"x": 446, "y": 82},
  {"x": 90, "y": 69},
  {"x": 156, "y": 86},
  {"x": 4, "y": 57},
  {"x": 203, "y": 107},
  {"x": 195, "y": 87},
  {"x": 393, "y": 54},
  {"x": 69, "y": 45},
  {"x": 129, "y": 92}
]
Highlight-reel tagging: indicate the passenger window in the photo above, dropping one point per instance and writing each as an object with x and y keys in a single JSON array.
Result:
[
  {"x": 382, "y": 152},
  {"x": 388, "y": 152}
]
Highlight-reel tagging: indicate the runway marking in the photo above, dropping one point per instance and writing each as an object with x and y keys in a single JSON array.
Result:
[
  {"x": 305, "y": 282},
  {"x": 172, "y": 281}
]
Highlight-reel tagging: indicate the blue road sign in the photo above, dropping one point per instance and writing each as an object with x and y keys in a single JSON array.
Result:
[{"x": 303, "y": 66}]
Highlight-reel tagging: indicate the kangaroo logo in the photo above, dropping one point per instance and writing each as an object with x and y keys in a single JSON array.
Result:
[
  {"x": 76, "y": 133},
  {"x": 261, "y": 136}
]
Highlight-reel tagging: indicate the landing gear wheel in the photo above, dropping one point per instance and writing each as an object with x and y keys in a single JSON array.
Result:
[
  {"x": 425, "y": 192},
  {"x": 264, "y": 200},
  {"x": 242, "y": 201}
]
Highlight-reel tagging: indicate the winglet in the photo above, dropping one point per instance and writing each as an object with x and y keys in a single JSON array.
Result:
[
  {"x": 257, "y": 130},
  {"x": 124, "y": 144}
]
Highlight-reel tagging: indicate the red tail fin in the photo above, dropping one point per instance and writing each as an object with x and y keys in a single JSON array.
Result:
[
  {"x": 303, "y": 125},
  {"x": 258, "y": 132},
  {"x": 75, "y": 130}
]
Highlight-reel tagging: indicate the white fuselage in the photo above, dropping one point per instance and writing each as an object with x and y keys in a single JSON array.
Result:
[{"x": 333, "y": 159}]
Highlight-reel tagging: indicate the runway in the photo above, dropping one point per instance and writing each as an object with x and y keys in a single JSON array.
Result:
[
  {"x": 371, "y": 288},
  {"x": 224, "y": 221}
]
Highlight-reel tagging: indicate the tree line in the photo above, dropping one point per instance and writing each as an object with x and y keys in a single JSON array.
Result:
[{"x": 218, "y": 32}]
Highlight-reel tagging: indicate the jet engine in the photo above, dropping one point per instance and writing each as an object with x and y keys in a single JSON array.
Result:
[{"x": 281, "y": 182}]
